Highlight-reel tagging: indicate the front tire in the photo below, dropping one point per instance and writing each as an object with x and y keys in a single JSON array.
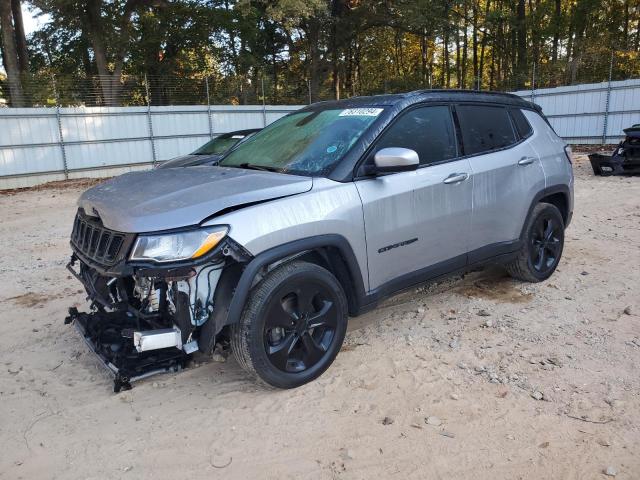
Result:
[
  {"x": 542, "y": 247},
  {"x": 292, "y": 326}
]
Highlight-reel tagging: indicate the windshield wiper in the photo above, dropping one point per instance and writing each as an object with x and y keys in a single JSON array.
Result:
[{"x": 253, "y": 166}]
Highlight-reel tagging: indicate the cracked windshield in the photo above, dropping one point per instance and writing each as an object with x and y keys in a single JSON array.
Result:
[{"x": 305, "y": 143}]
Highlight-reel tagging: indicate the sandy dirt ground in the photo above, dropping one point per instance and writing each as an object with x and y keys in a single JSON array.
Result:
[{"x": 473, "y": 377}]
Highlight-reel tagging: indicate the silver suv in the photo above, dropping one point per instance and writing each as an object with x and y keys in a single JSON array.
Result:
[{"x": 314, "y": 219}]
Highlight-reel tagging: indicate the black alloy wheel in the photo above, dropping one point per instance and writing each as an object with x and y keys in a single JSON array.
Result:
[
  {"x": 542, "y": 245},
  {"x": 546, "y": 243},
  {"x": 300, "y": 324},
  {"x": 293, "y": 325}
]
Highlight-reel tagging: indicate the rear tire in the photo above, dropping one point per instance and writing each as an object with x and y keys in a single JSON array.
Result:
[
  {"x": 542, "y": 247},
  {"x": 292, "y": 326}
]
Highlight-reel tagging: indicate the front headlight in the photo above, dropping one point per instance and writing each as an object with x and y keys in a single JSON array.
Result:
[{"x": 172, "y": 247}]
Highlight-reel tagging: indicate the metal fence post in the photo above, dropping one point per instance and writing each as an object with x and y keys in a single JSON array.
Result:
[
  {"x": 150, "y": 122},
  {"x": 606, "y": 104},
  {"x": 63, "y": 150},
  {"x": 533, "y": 82},
  {"x": 206, "y": 81},
  {"x": 264, "y": 107}
]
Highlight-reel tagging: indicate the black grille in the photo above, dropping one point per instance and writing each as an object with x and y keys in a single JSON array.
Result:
[{"x": 95, "y": 242}]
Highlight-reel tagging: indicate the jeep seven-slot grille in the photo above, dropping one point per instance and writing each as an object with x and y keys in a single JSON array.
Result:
[{"x": 96, "y": 242}]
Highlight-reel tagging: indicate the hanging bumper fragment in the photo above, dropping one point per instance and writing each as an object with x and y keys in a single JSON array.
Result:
[{"x": 129, "y": 355}]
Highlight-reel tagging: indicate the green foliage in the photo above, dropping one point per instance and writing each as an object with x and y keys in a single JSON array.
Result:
[{"x": 283, "y": 51}]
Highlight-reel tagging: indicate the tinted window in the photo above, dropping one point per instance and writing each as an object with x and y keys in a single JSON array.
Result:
[
  {"x": 427, "y": 130},
  {"x": 520, "y": 121},
  {"x": 484, "y": 128},
  {"x": 217, "y": 146}
]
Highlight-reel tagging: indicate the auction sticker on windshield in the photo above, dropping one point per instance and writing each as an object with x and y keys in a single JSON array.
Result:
[{"x": 361, "y": 112}]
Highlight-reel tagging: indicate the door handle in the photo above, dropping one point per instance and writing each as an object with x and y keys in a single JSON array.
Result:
[
  {"x": 526, "y": 161},
  {"x": 456, "y": 178}
]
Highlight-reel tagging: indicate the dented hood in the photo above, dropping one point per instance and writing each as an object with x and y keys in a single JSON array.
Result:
[{"x": 169, "y": 198}]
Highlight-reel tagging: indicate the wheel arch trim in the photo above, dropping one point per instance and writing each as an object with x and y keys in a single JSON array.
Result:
[
  {"x": 546, "y": 192},
  {"x": 282, "y": 252}
]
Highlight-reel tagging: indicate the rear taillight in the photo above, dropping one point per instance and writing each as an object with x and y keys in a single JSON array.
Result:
[{"x": 568, "y": 153}]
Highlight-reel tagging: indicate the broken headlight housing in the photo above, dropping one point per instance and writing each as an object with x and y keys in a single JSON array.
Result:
[{"x": 177, "y": 246}]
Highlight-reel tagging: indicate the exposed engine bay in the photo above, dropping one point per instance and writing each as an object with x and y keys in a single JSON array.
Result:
[{"x": 144, "y": 319}]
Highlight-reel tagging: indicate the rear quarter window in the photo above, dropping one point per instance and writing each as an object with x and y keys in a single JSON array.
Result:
[
  {"x": 520, "y": 121},
  {"x": 484, "y": 128}
]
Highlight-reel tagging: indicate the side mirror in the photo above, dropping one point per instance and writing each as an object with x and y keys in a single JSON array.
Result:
[{"x": 396, "y": 160}]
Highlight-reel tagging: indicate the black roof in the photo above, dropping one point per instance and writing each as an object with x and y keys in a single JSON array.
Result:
[{"x": 410, "y": 98}]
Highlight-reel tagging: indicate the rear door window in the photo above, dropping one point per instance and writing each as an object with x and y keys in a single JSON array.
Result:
[
  {"x": 427, "y": 130},
  {"x": 484, "y": 128}
]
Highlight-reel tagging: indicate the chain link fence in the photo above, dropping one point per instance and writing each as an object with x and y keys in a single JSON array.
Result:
[
  {"x": 142, "y": 90},
  {"x": 46, "y": 89}
]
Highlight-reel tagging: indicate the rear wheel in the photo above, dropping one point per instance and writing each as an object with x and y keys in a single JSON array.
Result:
[
  {"x": 542, "y": 247},
  {"x": 293, "y": 325}
]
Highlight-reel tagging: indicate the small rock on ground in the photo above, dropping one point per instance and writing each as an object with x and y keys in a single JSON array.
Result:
[
  {"x": 218, "y": 357},
  {"x": 431, "y": 420},
  {"x": 347, "y": 454},
  {"x": 610, "y": 472}
]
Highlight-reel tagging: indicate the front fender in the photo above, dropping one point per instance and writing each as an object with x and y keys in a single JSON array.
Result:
[{"x": 235, "y": 284}]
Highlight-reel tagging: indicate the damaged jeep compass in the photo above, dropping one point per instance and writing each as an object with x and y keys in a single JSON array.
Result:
[{"x": 314, "y": 219}]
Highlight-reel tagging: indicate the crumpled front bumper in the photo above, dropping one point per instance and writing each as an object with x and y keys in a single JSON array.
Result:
[
  {"x": 613, "y": 165},
  {"x": 110, "y": 336}
]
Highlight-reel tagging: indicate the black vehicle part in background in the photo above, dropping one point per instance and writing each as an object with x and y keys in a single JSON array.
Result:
[
  {"x": 615, "y": 164},
  {"x": 601, "y": 164},
  {"x": 109, "y": 335},
  {"x": 625, "y": 158}
]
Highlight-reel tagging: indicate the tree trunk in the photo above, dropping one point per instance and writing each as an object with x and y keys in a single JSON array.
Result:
[
  {"x": 458, "y": 66},
  {"x": 104, "y": 75},
  {"x": 110, "y": 66},
  {"x": 423, "y": 57},
  {"x": 483, "y": 45},
  {"x": 492, "y": 70},
  {"x": 579, "y": 23},
  {"x": 313, "y": 38},
  {"x": 10, "y": 55},
  {"x": 465, "y": 45},
  {"x": 335, "y": 67},
  {"x": 474, "y": 9},
  {"x": 357, "y": 57},
  {"x": 446, "y": 72},
  {"x": 521, "y": 36},
  {"x": 95, "y": 34},
  {"x": 21, "y": 39},
  {"x": 535, "y": 37},
  {"x": 556, "y": 30},
  {"x": 274, "y": 88},
  {"x": 625, "y": 26}
]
